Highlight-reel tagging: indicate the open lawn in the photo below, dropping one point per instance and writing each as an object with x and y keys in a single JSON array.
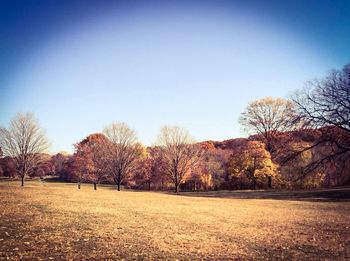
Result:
[{"x": 58, "y": 221}]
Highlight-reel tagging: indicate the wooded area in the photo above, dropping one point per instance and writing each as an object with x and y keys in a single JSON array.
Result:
[{"x": 302, "y": 142}]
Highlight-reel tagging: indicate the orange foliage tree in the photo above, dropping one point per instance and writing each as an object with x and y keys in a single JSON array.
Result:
[
  {"x": 151, "y": 168},
  {"x": 252, "y": 162},
  {"x": 209, "y": 172},
  {"x": 83, "y": 165},
  {"x": 91, "y": 162}
]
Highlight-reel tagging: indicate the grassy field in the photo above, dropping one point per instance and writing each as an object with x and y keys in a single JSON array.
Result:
[{"x": 53, "y": 221}]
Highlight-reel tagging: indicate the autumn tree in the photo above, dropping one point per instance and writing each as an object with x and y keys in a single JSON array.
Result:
[
  {"x": 325, "y": 104},
  {"x": 143, "y": 172},
  {"x": 8, "y": 165},
  {"x": 83, "y": 165},
  {"x": 268, "y": 117},
  {"x": 95, "y": 150},
  {"x": 179, "y": 153},
  {"x": 124, "y": 150},
  {"x": 58, "y": 162},
  {"x": 215, "y": 165},
  {"x": 200, "y": 177},
  {"x": 44, "y": 168},
  {"x": 210, "y": 171},
  {"x": 293, "y": 172},
  {"x": 150, "y": 168},
  {"x": 252, "y": 162},
  {"x": 24, "y": 140}
]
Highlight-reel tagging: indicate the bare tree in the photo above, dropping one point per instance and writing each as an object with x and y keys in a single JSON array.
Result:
[
  {"x": 24, "y": 140},
  {"x": 268, "y": 117},
  {"x": 325, "y": 104},
  {"x": 179, "y": 152},
  {"x": 124, "y": 150}
]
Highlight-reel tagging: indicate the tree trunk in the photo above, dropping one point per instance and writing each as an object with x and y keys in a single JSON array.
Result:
[
  {"x": 149, "y": 186},
  {"x": 269, "y": 179},
  {"x": 119, "y": 180},
  {"x": 95, "y": 186},
  {"x": 176, "y": 176},
  {"x": 79, "y": 185},
  {"x": 254, "y": 184},
  {"x": 22, "y": 183},
  {"x": 177, "y": 187}
]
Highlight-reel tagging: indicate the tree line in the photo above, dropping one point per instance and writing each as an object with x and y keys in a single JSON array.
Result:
[{"x": 300, "y": 142}]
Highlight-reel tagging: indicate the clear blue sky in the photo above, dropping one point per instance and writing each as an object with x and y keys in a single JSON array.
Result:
[{"x": 80, "y": 65}]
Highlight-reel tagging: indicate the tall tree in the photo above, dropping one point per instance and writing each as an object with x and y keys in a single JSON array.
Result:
[
  {"x": 268, "y": 117},
  {"x": 124, "y": 150},
  {"x": 24, "y": 140},
  {"x": 179, "y": 153}
]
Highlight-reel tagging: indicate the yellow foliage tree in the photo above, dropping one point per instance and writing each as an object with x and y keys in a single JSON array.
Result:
[{"x": 253, "y": 162}]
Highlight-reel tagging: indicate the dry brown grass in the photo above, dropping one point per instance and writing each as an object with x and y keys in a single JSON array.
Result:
[{"x": 58, "y": 221}]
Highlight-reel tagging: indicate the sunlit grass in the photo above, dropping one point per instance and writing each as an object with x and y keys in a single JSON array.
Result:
[{"x": 56, "y": 220}]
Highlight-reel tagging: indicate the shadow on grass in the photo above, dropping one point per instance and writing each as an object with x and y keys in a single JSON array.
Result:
[{"x": 334, "y": 194}]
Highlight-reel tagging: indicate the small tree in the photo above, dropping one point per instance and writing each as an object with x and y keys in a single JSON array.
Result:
[
  {"x": 24, "y": 140},
  {"x": 178, "y": 152}
]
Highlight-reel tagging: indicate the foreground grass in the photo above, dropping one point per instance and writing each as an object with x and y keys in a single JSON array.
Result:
[{"x": 58, "y": 221}]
